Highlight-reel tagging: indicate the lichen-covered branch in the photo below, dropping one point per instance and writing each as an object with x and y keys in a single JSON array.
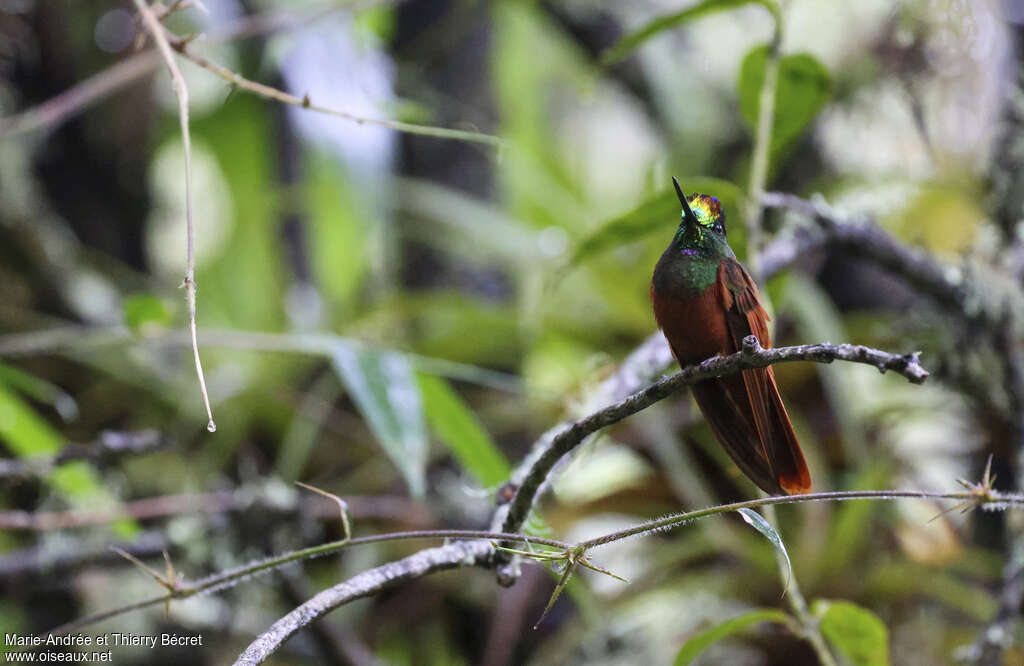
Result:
[
  {"x": 752, "y": 356},
  {"x": 417, "y": 565},
  {"x": 862, "y": 237}
]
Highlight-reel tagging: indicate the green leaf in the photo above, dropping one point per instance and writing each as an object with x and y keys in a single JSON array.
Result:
[
  {"x": 301, "y": 436},
  {"x": 902, "y": 580},
  {"x": 378, "y": 21},
  {"x": 145, "y": 311},
  {"x": 456, "y": 426},
  {"x": 855, "y": 631},
  {"x": 660, "y": 213},
  {"x": 803, "y": 88},
  {"x": 338, "y": 225},
  {"x": 758, "y": 522},
  {"x": 383, "y": 386},
  {"x": 39, "y": 389},
  {"x": 28, "y": 436},
  {"x": 850, "y": 535},
  {"x": 702, "y": 641},
  {"x": 24, "y": 432},
  {"x": 634, "y": 39},
  {"x": 78, "y": 481}
]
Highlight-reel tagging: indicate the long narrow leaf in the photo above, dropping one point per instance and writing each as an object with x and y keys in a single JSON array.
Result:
[
  {"x": 634, "y": 39},
  {"x": 24, "y": 432},
  {"x": 702, "y": 641},
  {"x": 758, "y": 522},
  {"x": 456, "y": 426},
  {"x": 383, "y": 386},
  {"x": 659, "y": 213},
  {"x": 38, "y": 388}
]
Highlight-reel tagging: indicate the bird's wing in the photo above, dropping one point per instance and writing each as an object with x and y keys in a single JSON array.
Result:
[{"x": 745, "y": 316}]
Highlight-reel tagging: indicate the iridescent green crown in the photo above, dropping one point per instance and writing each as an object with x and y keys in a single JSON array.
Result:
[{"x": 707, "y": 209}]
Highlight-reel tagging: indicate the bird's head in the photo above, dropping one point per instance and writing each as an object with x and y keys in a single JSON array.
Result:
[{"x": 701, "y": 213}]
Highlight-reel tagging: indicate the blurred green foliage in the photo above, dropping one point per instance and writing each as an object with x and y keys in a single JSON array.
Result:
[
  {"x": 856, "y": 631},
  {"x": 801, "y": 92},
  {"x": 478, "y": 298}
]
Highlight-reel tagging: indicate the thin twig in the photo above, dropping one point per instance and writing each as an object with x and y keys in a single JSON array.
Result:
[
  {"x": 369, "y": 507},
  {"x": 230, "y": 577},
  {"x": 55, "y": 111},
  {"x": 466, "y": 554},
  {"x": 346, "y": 526},
  {"x": 973, "y": 497},
  {"x": 181, "y": 91},
  {"x": 416, "y": 566},
  {"x": 480, "y": 554},
  {"x": 269, "y": 92},
  {"x": 54, "y": 558}
]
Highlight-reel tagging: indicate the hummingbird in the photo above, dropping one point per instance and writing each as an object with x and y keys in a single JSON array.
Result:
[{"x": 705, "y": 303}]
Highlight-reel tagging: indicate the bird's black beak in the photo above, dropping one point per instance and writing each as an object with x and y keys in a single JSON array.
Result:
[{"x": 688, "y": 215}]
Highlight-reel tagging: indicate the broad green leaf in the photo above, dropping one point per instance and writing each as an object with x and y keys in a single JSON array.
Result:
[
  {"x": 855, "y": 631},
  {"x": 145, "y": 311},
  {"x": 803, "y": 88},
  {"x": 39, "y": 389},
  {"x": 702, "y": 641},
  {"x": 758, "y": 522},
  {"x": 660, "y": 213},
  {"x": 456, "y": 426},
  {"x": 383, "y": 386},
  {"x": 634, "y": 39}
]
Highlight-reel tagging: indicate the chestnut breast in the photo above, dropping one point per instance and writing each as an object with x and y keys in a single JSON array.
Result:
[{"x": 694, "y": 325}]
